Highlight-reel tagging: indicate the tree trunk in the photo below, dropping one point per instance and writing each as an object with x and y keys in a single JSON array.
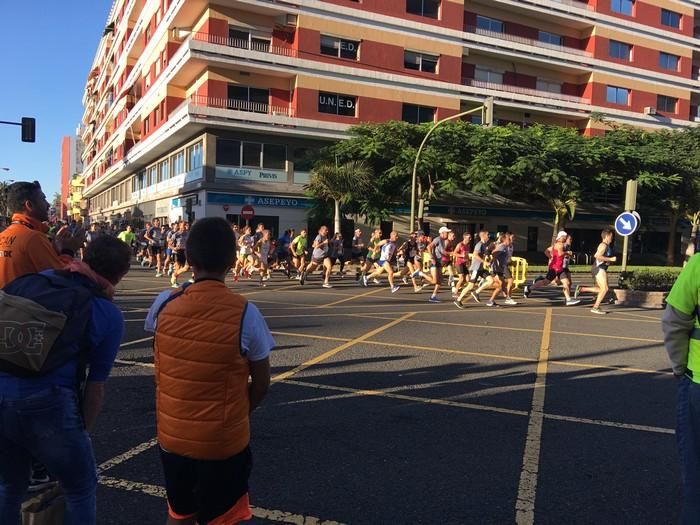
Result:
[
  {"x": 419, "y": 215},
  {"x": 690, "y": 250},
  {"x": 557, "y": 221},
  {"x": 337, "y": 216},
  {"x": 671, "y": 248}
]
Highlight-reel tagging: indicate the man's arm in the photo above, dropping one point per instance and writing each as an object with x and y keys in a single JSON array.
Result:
[
  {"x": 677, "y": 327},
  {"x": 259, "y": 381},
  {"x": 43, "y": 255},
  {"x": 92, "y": 402}
]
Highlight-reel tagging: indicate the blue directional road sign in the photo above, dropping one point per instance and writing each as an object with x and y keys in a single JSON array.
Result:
[{"x": 627, "y": 223}]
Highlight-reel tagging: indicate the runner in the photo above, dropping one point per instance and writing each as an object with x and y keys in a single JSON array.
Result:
[
  {"x": 373, "y": 254},
  {"x": 263, "y": 249},
  {"x": 448, "y": 258},
  {"x": 358, "y": 253},
  {"x": 248, "y": 259},
  {"x": 127, "y": 237},
  {"x": 284, "y": 252},
  {"x": 179, "y": 253},
  {"x": 557, "y": 271},
  {"x": 155, "y": 245},
  {"x": 438, "y": 252},
  {"x": 169, "y": 263},
  {"x": 602, "y": 259},
  {"x": 299, "y": 250},
  {"x": 477, "y": 270},
  {"x": 337, "y": 252},
  {"x": 387, "y": 252},
  {"x": 319, "y": 257},
  {"x": 461, "y": 257},
  {"x": 500, "y": 271}
]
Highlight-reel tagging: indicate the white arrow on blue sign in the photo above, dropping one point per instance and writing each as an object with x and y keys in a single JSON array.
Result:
[{"x": 627, "y": 223}]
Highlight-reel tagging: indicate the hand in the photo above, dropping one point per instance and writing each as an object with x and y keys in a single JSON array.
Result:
[
  {"x": 65, "y": 240},
  {"x": 613, "y": 259}
]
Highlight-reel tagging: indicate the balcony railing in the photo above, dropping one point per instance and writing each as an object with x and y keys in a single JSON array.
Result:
[
  {"x": 241, "y": 105},
  {"x": 524, "y": 91},
  {"x": 525, "y": 41},
  {"x": 252, "y": 45},
  {"x": 576, "y": 3}
]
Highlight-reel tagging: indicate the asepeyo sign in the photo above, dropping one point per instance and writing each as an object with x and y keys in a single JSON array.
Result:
[{"x": 223, "y": 172}]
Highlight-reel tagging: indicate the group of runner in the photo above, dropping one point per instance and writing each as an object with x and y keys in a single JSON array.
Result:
[{"x": 471, "y": 266}]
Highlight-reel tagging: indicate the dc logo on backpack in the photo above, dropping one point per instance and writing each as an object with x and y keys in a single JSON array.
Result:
[{"x": 22, "y": 337}]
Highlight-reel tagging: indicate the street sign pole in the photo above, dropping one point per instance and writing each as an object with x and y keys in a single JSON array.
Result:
[{"x": 630, "y": 205}]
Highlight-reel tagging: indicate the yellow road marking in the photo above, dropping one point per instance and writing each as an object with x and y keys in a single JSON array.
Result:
[
  {"x": 473, "y": 406},
  {"x": 344, "y": 346},
  {"x": 637, "y": 316},
  {"x": 248, "y": 294},
  {"x": 351, "y": 298},
  {"x": 527, "y": 489},
  {"x": 322, "y": 337},
  {"x": 129, "y": 343},
  {"x": 618, "y": 368},
  {"x": 604, "y": 336},
  {"x": 259, "y": 512},
  {"x": 131, "y": 453}
]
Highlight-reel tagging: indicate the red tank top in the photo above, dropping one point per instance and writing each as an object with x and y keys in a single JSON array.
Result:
[{"x": 557, "y": 262}]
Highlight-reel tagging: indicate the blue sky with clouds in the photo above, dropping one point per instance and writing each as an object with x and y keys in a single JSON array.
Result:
[{"x": 46, "y": 50}]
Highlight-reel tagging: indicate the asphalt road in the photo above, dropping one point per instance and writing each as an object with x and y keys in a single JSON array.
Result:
[{"x": 386, "y": 409}]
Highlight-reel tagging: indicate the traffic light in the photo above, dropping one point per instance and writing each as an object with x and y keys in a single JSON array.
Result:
[
  {"x": 488, "y": 111},
  {"x": 28, "y": 129}
]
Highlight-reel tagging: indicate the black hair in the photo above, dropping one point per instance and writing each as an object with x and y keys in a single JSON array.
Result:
[
  {"x": 18, "y": 193},
  {"x": 108, "y": 257},
  {"x": 211, "y": 245},
  {"x": 606, "y": 232}
]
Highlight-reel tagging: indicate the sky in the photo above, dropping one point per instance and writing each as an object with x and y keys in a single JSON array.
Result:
[{"x": 46, "y": 50}]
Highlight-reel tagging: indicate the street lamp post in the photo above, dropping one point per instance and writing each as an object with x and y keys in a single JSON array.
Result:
[{"x": 486, "y": 114}]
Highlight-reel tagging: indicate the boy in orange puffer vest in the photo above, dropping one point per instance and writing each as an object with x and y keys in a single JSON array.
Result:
[{"x": 208, "y": 342}]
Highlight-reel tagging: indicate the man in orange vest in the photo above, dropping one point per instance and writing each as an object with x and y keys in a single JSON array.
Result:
[
  {"x": 24, "y": 245},
  {"x": 208, "y": 342}
]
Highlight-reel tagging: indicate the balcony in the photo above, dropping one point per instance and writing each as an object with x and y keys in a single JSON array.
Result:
[
  {"x": 525, "y": 41},
  {"x": 524, "y": 91},
  {"x": 254, "y": 45},
  {"x": 241, "y": 105}
]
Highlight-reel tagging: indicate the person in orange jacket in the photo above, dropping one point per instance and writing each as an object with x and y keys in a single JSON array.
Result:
[{"x": 24, "y": 244}]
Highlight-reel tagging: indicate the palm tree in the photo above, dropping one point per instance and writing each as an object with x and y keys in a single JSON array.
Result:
[
  {"x": 339, "y": 183},
  {"x": 564, "y": 211}
]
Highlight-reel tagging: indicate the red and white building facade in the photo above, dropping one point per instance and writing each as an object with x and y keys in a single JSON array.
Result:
[{"x": 208, "y": 106}]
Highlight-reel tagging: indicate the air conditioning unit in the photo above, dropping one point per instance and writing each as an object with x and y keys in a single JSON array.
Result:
[{"x": 649, "y": 110}]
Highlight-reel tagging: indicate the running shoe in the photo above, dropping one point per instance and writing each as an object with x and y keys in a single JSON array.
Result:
[
  {"x": 573, "y": 302},
  {"x": 527, "y": 291},
  {"x": 174, "y": 285},
  {"x": 39, "y": 479},
  {"x": 191, "y": 281},
  {"x": 510, "y": 301},
  {"x": 492, "y": 304},
  {"x": 459, "y": 305},
  {"x": 327, "y": 285},
  {"x": 577, "y": 291},
  {"x": 434, "y": 299},
  {"x": 364, "y": 281},
  {"x": 395, "y": 289},
  {"x": 598, "y": 311},
  {"x": 266, "y": 278},
  {"x": 302, "y": 278},
  {"x": 297, "y": 277},
  {"x": 376, "y": 281},
  {"x": 405, "y": 281},
  {"x": 158, "y": 274},
  {"x": 143, "y": 263},
  {"x": 475, "y": 296}
]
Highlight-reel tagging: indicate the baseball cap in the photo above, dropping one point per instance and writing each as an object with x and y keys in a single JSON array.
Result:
[
  {"x": 444, "y": 229},
  {"x": 562, "y": 234}
]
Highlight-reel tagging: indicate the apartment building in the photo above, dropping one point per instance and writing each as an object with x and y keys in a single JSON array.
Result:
[
  {"x": 196, "y": 108},
  {"x": 71, "y": 168}
]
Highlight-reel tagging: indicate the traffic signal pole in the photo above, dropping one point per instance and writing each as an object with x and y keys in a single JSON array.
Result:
[{"x": 487, "y": 118}]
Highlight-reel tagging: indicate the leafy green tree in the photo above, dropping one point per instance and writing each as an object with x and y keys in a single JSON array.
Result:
[{"x": 340, "y": 183}]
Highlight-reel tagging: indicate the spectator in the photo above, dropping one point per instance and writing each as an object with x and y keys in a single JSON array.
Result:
[
  {"x": 207, "y": 335},
  {"x": 24, "y": 246},
  {"x": 42, "y": 415}
]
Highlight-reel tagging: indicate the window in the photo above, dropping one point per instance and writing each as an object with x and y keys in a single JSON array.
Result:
[
  {"x": 274, "y": 157},
  {"x": 244, "y": 98},
  {"x": 550, "y": 38},
  {"x": 337, "y": 104},
  {"x": 252, "y": 151},
  {"x": 179, "y": 163},
  {"x": 228, "y": 152},
  {"x": 420, "y": 62},
  {"x": 489, "y": 24},
  {"x": 243, "y": 39},
  {"x": 618, "y": 95},
  {"x": 666, "y": 104},
  {"x": 152, "y": 175},
  {"x": 163, "y": 171},
  {"x": 624, "y": 7},
  {"x": 429, "y": 8},
  {"x": 620, "y": 50},
  {"x": 194, "y": 156},
  {"x": 339, "y": 47},
  {"x": 670, "y": 19},
  {"x": 548, "y": 86},
  {"x": 417, "y": 114},
  {"x": 668, "y": 61},
  {"x": 486, "y": 75},
  {"x": 147, "y": 125}
]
